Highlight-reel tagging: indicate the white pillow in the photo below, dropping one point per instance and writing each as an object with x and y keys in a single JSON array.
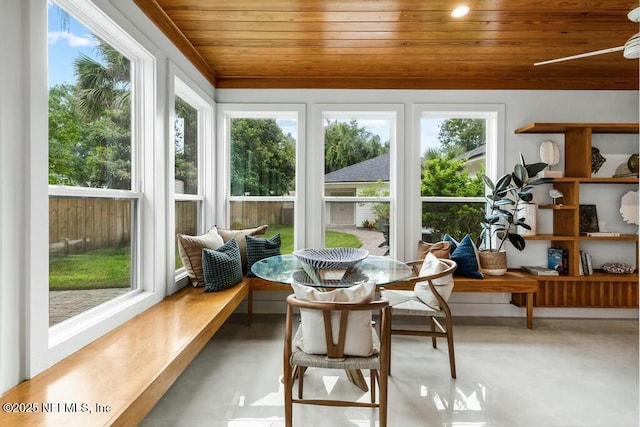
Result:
[
  {"x": 358, "y": 338},
  {"x": 444, "y": 285}
]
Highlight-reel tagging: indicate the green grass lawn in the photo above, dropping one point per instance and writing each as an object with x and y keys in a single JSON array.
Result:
[
  {"x": 100, "y": 268},
  {"x": 111, "y": 268}
]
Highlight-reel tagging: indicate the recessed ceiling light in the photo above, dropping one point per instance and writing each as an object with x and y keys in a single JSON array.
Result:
[{"x": 460, "y": 11}]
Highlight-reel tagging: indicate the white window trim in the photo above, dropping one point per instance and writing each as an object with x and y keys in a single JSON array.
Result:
[
  {"x": 46, "y": 346},
  {"x": 184, "y": 87},
  {"x": 494, "y": 156},
  {"x": 226, "y": 112},
  {"x": 315, "y": 169}
]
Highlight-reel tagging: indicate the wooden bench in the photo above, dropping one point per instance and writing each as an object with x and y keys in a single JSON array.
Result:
[
  {"x": 118, "y": 378},
  {"x": 512, "y": 281}
]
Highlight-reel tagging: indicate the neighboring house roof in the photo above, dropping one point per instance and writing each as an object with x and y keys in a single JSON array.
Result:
[
  {"x": 372, "y": 170},
  {"x": 470, "y": 155}
]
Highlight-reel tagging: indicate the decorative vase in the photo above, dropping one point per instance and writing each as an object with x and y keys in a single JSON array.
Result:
[
  {"x": 528, "y": 211},
  {"x": 493, "y": 263}
]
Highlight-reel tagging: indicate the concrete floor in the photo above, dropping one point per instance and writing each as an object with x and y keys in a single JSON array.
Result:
[{"x": 565, "y": 372}]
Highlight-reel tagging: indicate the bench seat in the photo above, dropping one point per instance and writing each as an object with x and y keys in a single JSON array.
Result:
[
  {"x": 512, "y": 281},
  {"x": 129, "y": 369}
]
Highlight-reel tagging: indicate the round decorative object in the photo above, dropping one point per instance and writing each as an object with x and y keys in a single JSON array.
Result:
[
  {"x": 549, "y": 153},
  {"x": 618, "y": 268},
  {"x": 632, "y": 163},
  {"x": 331, "y": 258},
  {"x": 597, "y": 160},
  {"x": 351, "y": 277},
  {"x": 629, "y": 207}
]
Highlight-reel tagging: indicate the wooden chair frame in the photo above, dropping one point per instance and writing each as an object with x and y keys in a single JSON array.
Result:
[
  {"x": 437, "y": 329},
  {"x": 335, "y": 352}
]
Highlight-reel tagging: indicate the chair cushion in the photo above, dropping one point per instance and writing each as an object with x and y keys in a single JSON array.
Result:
[
  {"x": 466, "y": 256},
  {"x": 444, "y": 285},
  {"x": 222, "y": 267},
  {"x": 358, "y": 337},
  {"x": 190, "y": 249},
  {"x": 239, "y": 236},
  {"x": 439, "y": 249},
  {"x": 406, "y": 303},
  {"x": 259, "y": 248}
]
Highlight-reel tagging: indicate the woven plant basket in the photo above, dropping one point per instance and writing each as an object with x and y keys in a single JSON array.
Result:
[{"x": 493, "y": 263}]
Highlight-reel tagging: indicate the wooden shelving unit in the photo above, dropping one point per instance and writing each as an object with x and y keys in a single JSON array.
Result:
[{"x": 573, "y": 290}]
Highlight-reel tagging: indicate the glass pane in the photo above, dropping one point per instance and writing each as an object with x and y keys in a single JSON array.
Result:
[
  {"x": 358, "y": 225},
  {"x": 356, "y": 154},
  {"x": 455, "y": 219},
  {"x": 277, "y": 215},
  {"x": 186, "y": 148},
  {"x": 263, "y": 157},
  {"x": 90, "y": 257},
  {"x": 186, "y": 223},
  {"x": 89, "y": 108}
]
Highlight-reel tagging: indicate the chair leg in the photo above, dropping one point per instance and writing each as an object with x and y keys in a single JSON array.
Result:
[
  {"x": 432, "y": 322},
  {"x": 452, "y": 357},
  {"x": 383, "y": 384},
  {"x": 300, "y": 375},
  {"x": 288, "y": 398}
]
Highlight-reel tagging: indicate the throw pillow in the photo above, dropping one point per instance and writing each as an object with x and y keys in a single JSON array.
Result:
[
  {"x": 444, "y": 285},
  {"x": 439, "y": 249},
  {"x": 239, "y": 236},
  {"x": 358, "y": 339},
  {"x": 222, "y": 267},
  {"x": 190, "y": 249},
  {"x": 259, "y": 248},
  {"x": 454, "y": 243},
  {"x": 466, "y": 256}
]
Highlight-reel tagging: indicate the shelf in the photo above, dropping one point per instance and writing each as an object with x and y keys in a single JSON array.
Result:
[
  {"x": 597, "y": 276},
  {"x": 549, "y": 237},
  {"x": 622, "y": 238},
  {"x": 558, "y": 207},
  {"x": 607, "y": 180},
  {"x": 628, "y": 128}
]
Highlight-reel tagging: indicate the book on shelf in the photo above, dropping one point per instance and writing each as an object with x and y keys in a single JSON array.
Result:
[
  {"x": 539, "y": 271},
  {"x": 603, "y": 234},
  {"x": 555, "y": 259},
  {"x": 586, "y": 263},
  {"x": 589, "y": 264},
  {"x": 565, "y": 262}
]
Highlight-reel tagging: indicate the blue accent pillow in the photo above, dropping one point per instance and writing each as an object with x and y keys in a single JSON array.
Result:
[
  {"x": 466, "y": 256},
  {"x": 222, "y": 267},
  {"x": 454, "y": 243},
  {"x": 259, "y": 248}
]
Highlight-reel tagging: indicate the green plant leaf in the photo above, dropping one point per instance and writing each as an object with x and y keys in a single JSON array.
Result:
[
  {"x": 534, "y": 168},
  {"x": 503, "y": 183},
  {"x": 517, "y": 241},
  {"x": 525, "y": 197},
  {"x": 488, "y": 182}
]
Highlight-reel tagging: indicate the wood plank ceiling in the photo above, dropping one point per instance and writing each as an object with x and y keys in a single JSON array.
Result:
[{"x": 398, "y": 44}]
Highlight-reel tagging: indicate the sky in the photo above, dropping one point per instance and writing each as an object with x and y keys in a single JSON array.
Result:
[{"x": 65, "y": 45}]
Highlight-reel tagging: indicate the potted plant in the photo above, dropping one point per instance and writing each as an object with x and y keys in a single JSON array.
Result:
[{"x": 503, "y": 214}]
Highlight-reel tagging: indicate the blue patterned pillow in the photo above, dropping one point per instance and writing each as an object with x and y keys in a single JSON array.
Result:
[
  {"x": 454, "y": 243},
  {"x": 465, "y": 255},
  {"x": 259, "y": 248},
  {"x": 222, "y": 267}
]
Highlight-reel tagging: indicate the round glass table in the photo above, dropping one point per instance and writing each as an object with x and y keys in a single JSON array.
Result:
[{"x": 287, "y": 269}]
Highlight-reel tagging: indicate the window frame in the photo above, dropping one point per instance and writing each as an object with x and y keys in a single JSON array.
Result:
[
  {"x": 494, "y": 114},
  {"x": 47, "y": 345},
  {"x": 226, "y": 112},
  {"x": 394, "y": 112},
  {"x": 184, "y": 87}
]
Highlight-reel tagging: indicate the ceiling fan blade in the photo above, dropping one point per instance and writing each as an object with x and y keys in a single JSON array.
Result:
[{"x": 582, "y": 55}]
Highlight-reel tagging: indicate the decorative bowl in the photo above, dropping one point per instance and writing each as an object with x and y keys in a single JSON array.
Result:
[
  {"x": 331, "y": 258},
  {"x": 618, "y": 268}
]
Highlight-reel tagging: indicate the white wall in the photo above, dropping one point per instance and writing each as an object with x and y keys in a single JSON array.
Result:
[
  {"x": 521, "y": 107},
  {"x": 25, "y": 347}
]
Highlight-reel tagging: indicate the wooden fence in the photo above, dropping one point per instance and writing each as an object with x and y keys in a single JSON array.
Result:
[
  {"x": 253, "y": 214},
  {"x": 77, "y": 225}
]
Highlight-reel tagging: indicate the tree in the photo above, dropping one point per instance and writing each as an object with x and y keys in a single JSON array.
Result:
[
  {"x": 66, "y": 166},
  {"x": 186, "y": 149},
  {"x": 458, "y": 136},
  {"x": 103, "y": 100},
  {"x": 262, "y": 158},
  {"x": 346, "y": 144},
  {"x": 444, "y": 176}
]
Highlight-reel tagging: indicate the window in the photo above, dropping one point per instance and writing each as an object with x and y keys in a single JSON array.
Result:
[
  {"x": 456, "y": 148},
  {"x": 262, "y": 155},
  {"x": 193, "y": 126},
  {"x": 103, "y": 232},
  {"x": 358, "y": 180}
]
